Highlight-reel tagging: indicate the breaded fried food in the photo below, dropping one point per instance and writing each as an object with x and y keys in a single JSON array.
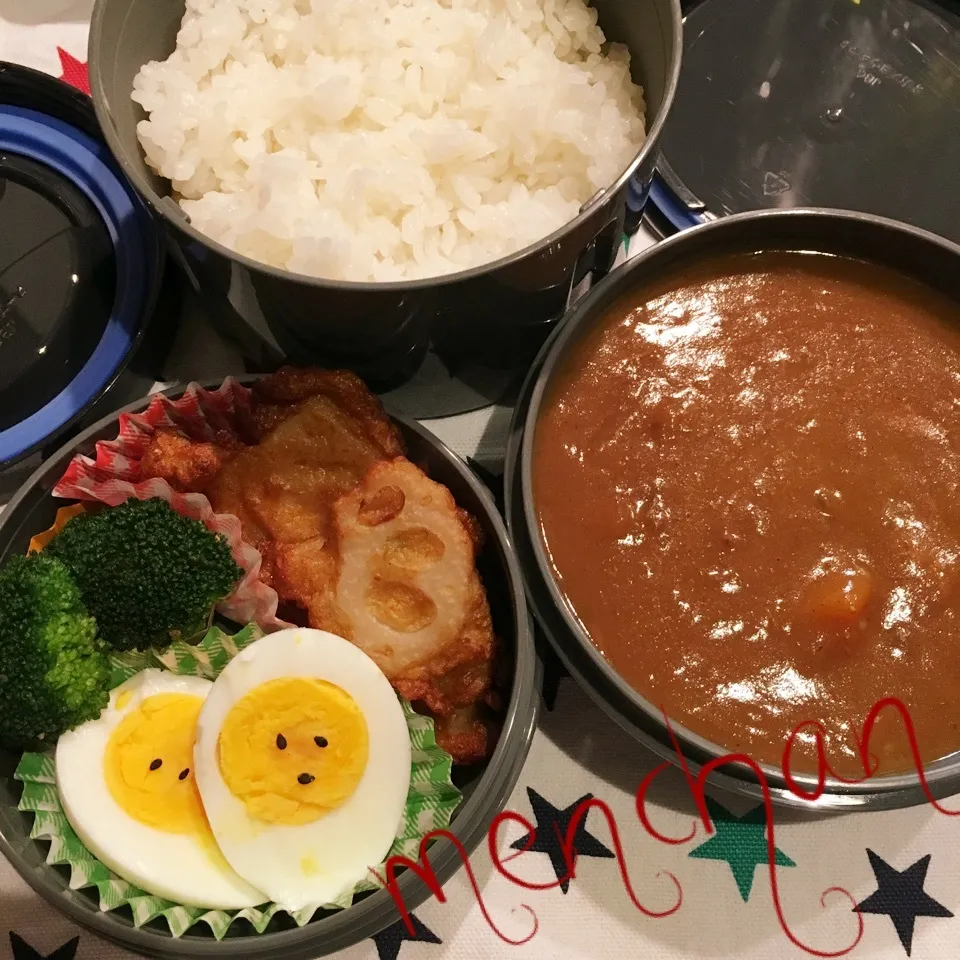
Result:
[
  {"x": 314, "y": 434},
  {"x": 287, "y": 484},
  {"x": 356, "y": 536},
  {"x": 187, "y": 465},
  {"x": 305, "y": 574},
  {"x": 408, "y": 590},
  {"x": 273, "y": 396},
  {"x": 409, "y": 595},
  {"x": 191, "y": 465},
  {"x": 468, "y": 734}
]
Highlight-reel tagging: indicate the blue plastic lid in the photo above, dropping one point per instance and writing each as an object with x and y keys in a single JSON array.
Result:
[{"x": 79, "y": 259}]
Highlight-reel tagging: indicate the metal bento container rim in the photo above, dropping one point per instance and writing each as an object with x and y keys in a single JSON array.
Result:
[
  {"x": 181, "y": 222},
  {"x": 943, "y": 779},
  {"x": 376, "y": 911}
]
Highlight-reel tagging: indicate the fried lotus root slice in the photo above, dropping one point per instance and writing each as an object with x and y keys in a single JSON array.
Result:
[{"x": 409, "y": 592}]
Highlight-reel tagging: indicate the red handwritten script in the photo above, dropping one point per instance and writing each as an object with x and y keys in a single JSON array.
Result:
[{"x": 697, "y": 786}]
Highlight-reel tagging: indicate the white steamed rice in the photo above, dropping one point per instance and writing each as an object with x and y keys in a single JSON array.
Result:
[{"x": 387, "y": 139}]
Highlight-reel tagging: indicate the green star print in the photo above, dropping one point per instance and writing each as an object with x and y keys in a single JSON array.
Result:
[{"x": 742, "y": 842}]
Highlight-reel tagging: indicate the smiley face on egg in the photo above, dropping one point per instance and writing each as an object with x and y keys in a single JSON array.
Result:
[
  {"x": 148, "y": 760},
  {"x": 127, "y": 785},
  {"x": 303, "y": 764},
  {"x": 293, "y": 749}
]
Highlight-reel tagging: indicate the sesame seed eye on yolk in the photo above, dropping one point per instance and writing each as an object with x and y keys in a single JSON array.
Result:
[
  {"x": 293, "y": 749},
  {"x": 148, "y": 764}
]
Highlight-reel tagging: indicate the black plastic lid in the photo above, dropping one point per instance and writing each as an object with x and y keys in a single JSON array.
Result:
[
  {"x": 80, "y": 262},
  {"x": 57, "y": 284},
  {"x": 853, "y": 104}
]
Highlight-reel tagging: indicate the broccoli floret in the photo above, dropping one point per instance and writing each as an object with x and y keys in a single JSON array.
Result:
[
  {"x": 54, "y": 671},
  {"x": 147, "y": 574}
]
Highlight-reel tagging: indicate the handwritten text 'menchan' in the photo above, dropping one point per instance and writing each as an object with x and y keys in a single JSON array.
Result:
[{"x": 696, "y": 785}]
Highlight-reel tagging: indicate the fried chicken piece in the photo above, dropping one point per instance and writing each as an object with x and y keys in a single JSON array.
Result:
[
  {"x": 318, "y": 432},
  {"x": 190, "y": 465},
  {"x": 187, "y": 465},
  {"x": 468, "y": 734},
  {"x": 408, "y": 590},
  {"x": 287, "y": 484},
  {"x": 273, "y": 396},
  {"x": 283, "y": 489},
  {"x": 353, "y": 534},
  {"x": 306, "y": 574}
]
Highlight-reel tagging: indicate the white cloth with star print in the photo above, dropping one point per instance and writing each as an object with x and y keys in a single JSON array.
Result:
[
  {"x": 31, "y": 31},
  {"x": 902, "y": 867},
  {"x": 578, "y": 751}
]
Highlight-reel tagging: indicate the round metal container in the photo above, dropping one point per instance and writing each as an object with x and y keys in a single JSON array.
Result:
[
  {"x": 485, "y": 788},
  {"x": 921, "y": 255},
  {"x": 382, "y": 330}
]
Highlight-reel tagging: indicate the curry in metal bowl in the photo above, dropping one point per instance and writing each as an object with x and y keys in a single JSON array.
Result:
[{"x": 745, "y": 477}]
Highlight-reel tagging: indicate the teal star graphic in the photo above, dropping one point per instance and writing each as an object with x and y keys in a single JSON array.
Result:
[{"x": 742, "y": 842}]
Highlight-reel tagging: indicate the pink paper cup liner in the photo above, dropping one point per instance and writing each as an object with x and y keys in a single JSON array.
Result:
[{"x": 115, "y": 475}]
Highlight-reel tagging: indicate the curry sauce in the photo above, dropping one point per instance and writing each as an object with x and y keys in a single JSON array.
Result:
[{"x": 746, "y": 477}]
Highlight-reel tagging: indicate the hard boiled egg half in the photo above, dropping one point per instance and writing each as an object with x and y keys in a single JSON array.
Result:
[
  {"x": 303, "y": 763},
  {"x": 128, "y": 787}
]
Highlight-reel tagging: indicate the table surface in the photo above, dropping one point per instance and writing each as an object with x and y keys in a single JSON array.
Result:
[{"x": 901, "y": 868}]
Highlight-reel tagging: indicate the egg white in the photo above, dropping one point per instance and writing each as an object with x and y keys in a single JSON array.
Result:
[
  {"x": 169, "y": 865},
  {"x": 342, "y": 845}
]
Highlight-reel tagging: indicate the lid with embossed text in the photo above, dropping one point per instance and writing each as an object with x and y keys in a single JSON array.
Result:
[
  {"x": 80, "y": 262},
  {"x": 852, "y": 104}
]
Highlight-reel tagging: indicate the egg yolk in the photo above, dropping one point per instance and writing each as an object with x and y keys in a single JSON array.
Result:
[
  {"x": 148, "y": 763},
  {"x": 293, "y": 749}
]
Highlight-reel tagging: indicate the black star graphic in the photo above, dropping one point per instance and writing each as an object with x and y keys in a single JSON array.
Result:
[
  {"x": 389, "y": 941},
  {"x": 552, "y": 825},
  {"x": 492, "y": 481},
  {"x": 23, "y": 951},
  {"x": 900, "y": 895},
  {"x": 553, "y": 672}
]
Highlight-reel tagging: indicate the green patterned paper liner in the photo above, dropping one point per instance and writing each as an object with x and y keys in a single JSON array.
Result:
[{"x": 431, "y": 801}]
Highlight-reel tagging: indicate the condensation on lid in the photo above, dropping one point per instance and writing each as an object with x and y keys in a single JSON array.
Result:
[{"x": 852, "y": 104}]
